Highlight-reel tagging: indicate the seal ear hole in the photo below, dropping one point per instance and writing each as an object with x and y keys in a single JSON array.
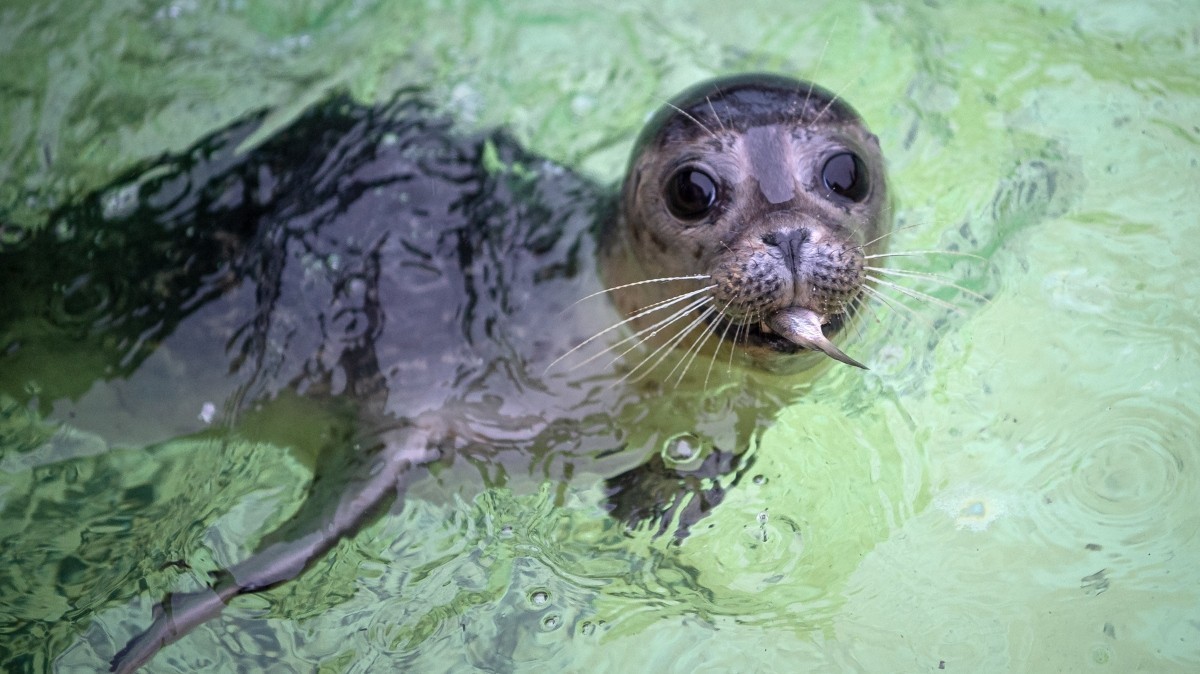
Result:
[
  {"x": 691, "y": 193},
  {"x": 845, "y": 175}
]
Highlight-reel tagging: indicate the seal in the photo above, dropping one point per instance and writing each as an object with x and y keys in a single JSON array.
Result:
[
  {"x": 445, "y": 297},
  {"x": 769, "y": 190}
]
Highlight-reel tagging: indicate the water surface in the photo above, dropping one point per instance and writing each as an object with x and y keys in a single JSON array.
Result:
[{"x": 1012, "y": 486}]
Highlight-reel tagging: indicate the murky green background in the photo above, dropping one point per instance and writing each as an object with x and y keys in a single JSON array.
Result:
[{"x": 1012, "y": 487}]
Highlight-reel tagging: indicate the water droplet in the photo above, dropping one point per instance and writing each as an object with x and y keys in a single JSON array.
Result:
[
  {"x": 681, "y": 448},
  {"x": 539, "y": 598},
  {"x": 975, "y": 510},
  {"x": 551, "y": 622},
  {"x": 120, "y": 202},
  {"x": 208, "y": 412}
]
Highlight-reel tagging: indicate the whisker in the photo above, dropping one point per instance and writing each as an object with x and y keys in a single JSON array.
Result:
[
  {"x": 648, "y": 332},
  {"x": 661, "y": 304},
  {"x": 690, "y": 355},
  {"x": 856, "y": 305},
  {"x": 733, "y": 344},
  {"x": 689, "y": 116},
  {"x": 895, "y": 307},
  {"x": 864, "y": 304},
  {"x": 875, "y": 311},
  {"x": 664, "y": 279},
  {"x": 664, "y": 349},
  {"x": 916, "y": 294},
  {"x": 724, "y": 332},
  {"x": 886, "y": 234},
  {"x": 812, "y": 76},
  {"x": 929, "y": 277},
  {"x": 714, "y": 113},
  {"x": 914, "y": 253},
  {"x": 837, "y": 95}
]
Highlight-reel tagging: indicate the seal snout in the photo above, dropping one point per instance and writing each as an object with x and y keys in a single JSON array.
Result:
[
  {"x": 788, "y": 279},
  {"x": 799, "y": 265},
  {"x": 826, "y": 270}
]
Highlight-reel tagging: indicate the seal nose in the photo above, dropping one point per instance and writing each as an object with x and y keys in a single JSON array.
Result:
[
  {"x": 789, "y": 241},
  {"x": 816, "y": 269}
]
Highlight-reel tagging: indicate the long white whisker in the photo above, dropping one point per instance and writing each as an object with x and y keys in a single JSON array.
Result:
[
  {"x": 662, "y": 304},
  {"x": 686, "y": 114},
  {"x": 638, "y": 283},
  {"x": 929, "y": 277},
  {"x": 708, "y": 332},
  {"x": 887, "y": 305},
  {"x": 714, "y": 112},
  {"x": 913, "y": 253},
  {"x": 690, "y": 355},
  {"x": 855, "y": 307},
  {"x": 716, "y": 351},
  {"x": 875, "y": 309},
  {"x": 886, "y": 234},
  {"x": 733, "y": 344},
  {"x": 838, "y": 95},
  {"x": 916, "y": 294},
  {"x": 657, "y": 306},
  {"x": 664, "y": 349},
  {"x": 812, "y": 76},
  {"x": 649, "y": 331},
  {"x": 897, "y": 306}
]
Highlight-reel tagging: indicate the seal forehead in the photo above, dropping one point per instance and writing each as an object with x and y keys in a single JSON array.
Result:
[
  {"x": 767, "y": 159},
  {"x": 742, "y": 102}
]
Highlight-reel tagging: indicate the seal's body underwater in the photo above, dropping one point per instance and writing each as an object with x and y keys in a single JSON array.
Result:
[{"x": 456, "y": 295}]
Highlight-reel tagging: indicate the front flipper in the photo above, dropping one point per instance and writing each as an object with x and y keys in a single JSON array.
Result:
[{"x": 179, "y": 613}]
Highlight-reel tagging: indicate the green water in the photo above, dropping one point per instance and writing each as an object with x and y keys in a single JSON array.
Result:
[{"x": 1012, "y": 487}]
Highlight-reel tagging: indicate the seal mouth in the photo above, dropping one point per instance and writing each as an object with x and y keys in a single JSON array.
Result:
[{"x": 787, "y": 331}]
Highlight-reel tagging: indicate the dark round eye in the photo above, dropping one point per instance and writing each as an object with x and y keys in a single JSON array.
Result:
[
  {"x": 845, "y": 176},
  {"x": 691, "y": 193}
]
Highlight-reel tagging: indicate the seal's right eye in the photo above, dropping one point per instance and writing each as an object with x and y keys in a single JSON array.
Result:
[{"x": 691, "y": 193}]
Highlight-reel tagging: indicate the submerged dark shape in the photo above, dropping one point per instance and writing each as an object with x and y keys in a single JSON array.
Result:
[{"x": 425, "y": 286}]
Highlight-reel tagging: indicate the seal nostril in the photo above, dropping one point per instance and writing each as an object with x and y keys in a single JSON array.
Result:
[{"x": 791, "y": 239}]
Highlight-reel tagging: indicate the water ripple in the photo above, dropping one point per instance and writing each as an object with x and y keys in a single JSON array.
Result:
[{"x": 1125, "y": 478}]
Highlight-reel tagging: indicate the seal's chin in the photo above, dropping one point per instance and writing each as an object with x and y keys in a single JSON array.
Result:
[{"x": 790, "y": 331}]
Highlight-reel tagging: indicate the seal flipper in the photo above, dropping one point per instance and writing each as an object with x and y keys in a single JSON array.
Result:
[{"x": 179, "y": 613}]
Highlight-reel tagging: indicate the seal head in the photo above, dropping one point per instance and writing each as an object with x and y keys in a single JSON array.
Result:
[{"x": 770, "y": 192}]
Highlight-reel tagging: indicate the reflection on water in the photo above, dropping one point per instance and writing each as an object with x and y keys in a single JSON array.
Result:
[
  {"x": 1127, "y": 485},
  {"x": 1009, "y": 489}
]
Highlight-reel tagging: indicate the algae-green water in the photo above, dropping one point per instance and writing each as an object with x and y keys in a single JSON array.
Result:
[{"x": 1012, "y": 487}]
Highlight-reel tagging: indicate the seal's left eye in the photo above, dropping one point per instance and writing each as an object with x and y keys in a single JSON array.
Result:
[
  {"x": 845, "y": 175},
  {"x": 691, "y": 193}
]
